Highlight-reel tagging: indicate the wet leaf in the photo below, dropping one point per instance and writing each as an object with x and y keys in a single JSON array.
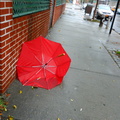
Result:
[
  {"x": 5, "y": 109},
  {"x": 14, "y": 106},
  {"x": 3, "y": 104},
  {"x": 1, "y": 114},
  {"x": 10, "y": 117},
  {"x": 6, "y": 103},
  {"x": 117, "y": 52},
  {"x": 34, "y": 87},
  {"x": 7, "y": 95},
  {"x": 80, "y": 109},
  {"x": 20, "y": 91}
]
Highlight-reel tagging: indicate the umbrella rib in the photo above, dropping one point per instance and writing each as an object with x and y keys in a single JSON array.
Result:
[
  {"x": 43, "y": 58},
  {"x": 30, "y": 66},
  {"x": 34, "y": 54},
  {"x": 37, "y": 58},
  {"x": 52, "y": 55},
  {"x": 33, "y": 76},
  {"x": 45, "y": 77},
  {"x": 50, "y": 66},
  {"x": 50, "y": 71}
]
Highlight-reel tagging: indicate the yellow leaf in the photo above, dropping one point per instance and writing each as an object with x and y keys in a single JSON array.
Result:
[
  {"x": 10, "y": 117},
  {"x": 58, "y": 119},
  {"x": 14, "y": 106},
  {"x": 5, "y": 109},
  {"x": 20, "y": 91}
]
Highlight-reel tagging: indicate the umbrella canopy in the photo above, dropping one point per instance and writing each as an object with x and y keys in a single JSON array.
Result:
[{"x": 42, "y": 63}]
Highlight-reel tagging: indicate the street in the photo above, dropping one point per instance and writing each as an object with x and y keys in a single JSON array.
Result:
[{"x": 116, "y": 25}]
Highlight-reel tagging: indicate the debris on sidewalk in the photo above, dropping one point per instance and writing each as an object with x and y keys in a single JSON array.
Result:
[
  {"x": 14, "y": 106},
  {"x": 117, "y": 53},
  {"x": 71, "y": 100},
  {"x": 3, "y": 104},
  {"x": 20, "y": 92}
]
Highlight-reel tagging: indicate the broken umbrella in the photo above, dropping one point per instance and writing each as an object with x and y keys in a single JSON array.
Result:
[{"x": 42, "y": 63}]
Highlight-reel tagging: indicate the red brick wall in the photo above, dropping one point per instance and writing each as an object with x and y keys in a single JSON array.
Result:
[
  {"x": 13, "y": 33},
  {"x": 57, "y": 13}
]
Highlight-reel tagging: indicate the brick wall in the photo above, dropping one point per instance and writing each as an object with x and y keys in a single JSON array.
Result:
[
  {"x": 15, "y": 31},
  {"x": 57, "y": 13}
]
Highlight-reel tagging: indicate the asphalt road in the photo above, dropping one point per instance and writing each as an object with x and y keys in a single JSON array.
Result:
[{"x": 116, "y": 25}]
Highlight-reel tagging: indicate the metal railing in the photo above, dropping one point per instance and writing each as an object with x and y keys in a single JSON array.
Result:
[{"x": 25, "y": 7}]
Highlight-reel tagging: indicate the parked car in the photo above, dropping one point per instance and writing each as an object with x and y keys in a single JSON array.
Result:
[
  {"x": 104, "y": 11},
  {"x": 113, "y": 9},
  {"x": 118, "y": 11}
]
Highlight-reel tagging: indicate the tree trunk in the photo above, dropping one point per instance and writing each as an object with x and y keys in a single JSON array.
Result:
[{"x": 95, "y": 9}]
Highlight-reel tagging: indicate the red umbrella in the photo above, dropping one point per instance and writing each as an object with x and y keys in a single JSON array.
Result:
[{"x": 42, "y": 63}]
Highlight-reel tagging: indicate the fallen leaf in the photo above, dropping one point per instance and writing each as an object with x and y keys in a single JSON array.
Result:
[
  {"x": 58, "y": 119},
  {"x": 72, "y": 100},
  {"x": 14, "y": 106},
  {"x": 20, "y": 91},
  {"x": 5, "y": 109},
  {"x": 34, "y": 87},
  {"x": 80, "y": 109},
  {"x": 6, "y": 103},
  {"x": 7, "y": 95},
  {"x": 1, "y": 114},
  {"x": 10, "y": 117}
]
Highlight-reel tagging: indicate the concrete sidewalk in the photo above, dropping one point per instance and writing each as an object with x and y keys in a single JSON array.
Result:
[{"x": 90, "y": 90}]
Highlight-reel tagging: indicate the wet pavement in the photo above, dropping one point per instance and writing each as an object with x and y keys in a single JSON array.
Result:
[
  {"x": 116, "y": 25},
  {"x": 90, "y": 89}
]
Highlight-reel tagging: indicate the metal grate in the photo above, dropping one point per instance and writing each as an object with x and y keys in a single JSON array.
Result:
[
  {"x": 60, "y": 2},
  {"x": 25, "y": 7}
]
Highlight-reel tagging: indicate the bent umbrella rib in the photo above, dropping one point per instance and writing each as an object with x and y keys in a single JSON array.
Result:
[{"x": 33, "y": 76}]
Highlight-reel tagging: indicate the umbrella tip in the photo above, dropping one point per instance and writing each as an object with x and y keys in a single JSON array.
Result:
[{"x": 61, "y": 55}]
